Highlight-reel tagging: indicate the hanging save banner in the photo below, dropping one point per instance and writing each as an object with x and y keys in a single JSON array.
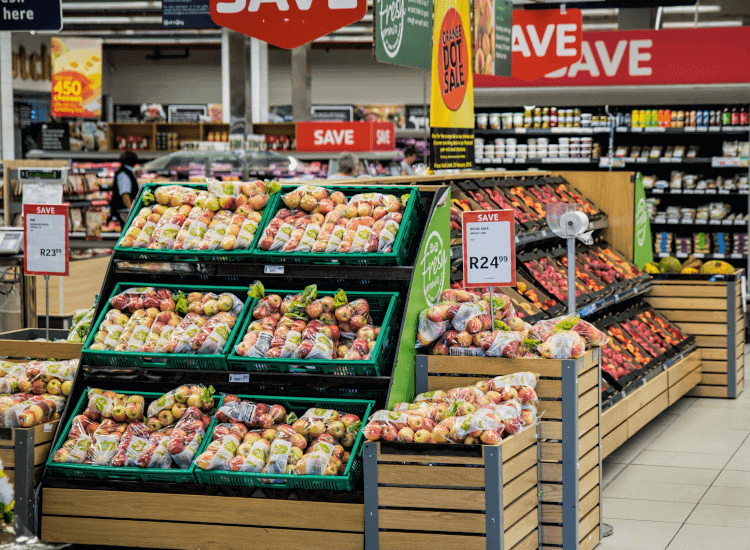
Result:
[
  {"x": 76, "y": 77},
  {"x": 452, "y": 105}
]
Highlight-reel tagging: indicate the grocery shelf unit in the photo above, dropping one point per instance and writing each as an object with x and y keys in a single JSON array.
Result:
[
  {"x": 302, "y": 517},
  {"x": 570, "y": 444},
  {"x": 625, "y": 414},
  {"x": 712, "y": 308}
]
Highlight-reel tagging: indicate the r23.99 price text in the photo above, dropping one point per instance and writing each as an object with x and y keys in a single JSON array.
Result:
[{"x": 50, "y": 252}]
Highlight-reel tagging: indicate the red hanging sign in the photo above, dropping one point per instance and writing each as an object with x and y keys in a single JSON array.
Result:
[
  {"x": 287, "y": 23},
  {"x": 346, "y": 136},
  {"x": 383, "y": 136}
]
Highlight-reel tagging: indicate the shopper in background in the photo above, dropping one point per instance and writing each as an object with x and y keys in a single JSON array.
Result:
[
  {"x": 348, "y": 167},
  {"x": 125, "y": 185},
  {"x": 410, "y": 157}
]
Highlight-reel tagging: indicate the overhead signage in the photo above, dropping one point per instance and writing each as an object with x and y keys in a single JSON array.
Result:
[
  {"x": 403, "y": 32},
  {"x": 45, "y": 239},
  {"x": 452, "y": 92},
  {"x": 186, "y": 113},
  {"x": 493, "y": 23},
  {"x": 332, "y": 113},
  {"x": 31, "y": 15},
  {"x": 648, "y": 57},
  {"x": 186, "y": 14},
  {"x": 489, "y": 248},
  {"x": 76, "y": 77},
  {"x": 287, "y": 23},
  {"x": 345, "y": 136}
]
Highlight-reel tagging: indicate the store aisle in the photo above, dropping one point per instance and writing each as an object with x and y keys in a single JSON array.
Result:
[{"x": 683, "y": 482}]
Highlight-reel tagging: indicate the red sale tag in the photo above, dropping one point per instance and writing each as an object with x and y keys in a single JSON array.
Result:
[
  {"x": 544, "y": 41},
  {"x": 489, "y": 248},
  {"x": 287, "y": 23},
  {"x": 45, "y": 239}
]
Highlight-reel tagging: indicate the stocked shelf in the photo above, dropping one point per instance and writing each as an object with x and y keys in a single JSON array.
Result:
[
  {"x": 684, "y": 130},
  {"x": 701, "y": 256},
  {"x": 723, "y": 192},
  {"x": 542, "y": 131}
]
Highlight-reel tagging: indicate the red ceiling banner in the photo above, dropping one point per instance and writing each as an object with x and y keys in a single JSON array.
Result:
[{"x": 650, "y": 57}]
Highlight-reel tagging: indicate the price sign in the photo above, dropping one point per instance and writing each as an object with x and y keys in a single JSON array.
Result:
[
  {"x": 489, "y": 248},
  {"x": 45, "y": 239}
]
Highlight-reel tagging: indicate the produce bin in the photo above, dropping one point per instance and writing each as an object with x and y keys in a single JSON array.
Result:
[
  {"x": 81, "y": 471},
  {"x": 214, "y": 361},
  {"x": 403, "y": 246},
  {"x": 453, "y": 496},
  {"x": 383, "y": 307},
  {"x": 569, "y": 411},
  {"x": 23, "y": 343},
  {"x": 299, "y": 405},
  {"x": 711, "y": 308},
  {"x": 150, "y": 255}
]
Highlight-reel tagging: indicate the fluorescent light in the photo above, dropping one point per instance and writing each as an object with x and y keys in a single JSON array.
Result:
[
  {"x": 600, "y": 12},
  {"x": 118, "y": 6},
  {"x": 691, "y": 24},
  {"x": 125, "y": 20},
  {"x": 671, "y": 10},
  {"x": 165, "y": 41},
  {"x": 599, "y": 27}
]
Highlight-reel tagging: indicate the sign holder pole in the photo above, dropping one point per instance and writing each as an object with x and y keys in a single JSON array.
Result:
[
  {"x": 46, "y": 295},
  {"x": 571, "y": 276}
]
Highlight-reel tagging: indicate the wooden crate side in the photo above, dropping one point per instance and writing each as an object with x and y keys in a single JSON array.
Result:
[
  {"x": 646, "y": 394},
  {"x": 551, "y": 472},
  {"x": 553, "y": 534},
  {"x": 429, "y": 476},
  {"x": 614, "y": 416},
  {"x": 517, "y": 487},
  {"x": 713, "y": 354},
  {"x": 647, "y": 413},
  {"x": 591, "y": 540},
  {"x": 433, "y": 520},
  {"x": 517, "y": 509},
  {"x": 162, "y": 534},
  {"x": 689, "y": 290},
  {"x": 687, "y": 365},
  {"x": 552, "y": 513},
  {"x": 709, "y": 391},
  {"x": 667, "y": 304},
  {"x": 685, "y": 385},
  {"x": 518, "y": 531},
  {"x": 614, "y": 439},
  {"x": 714, "y": 366},
  {"x": 485, "y": 367},
  {"x": 519, "y": 464},
  {"x": 530, "y": 542},
  {"x": 413, "y": 497},
  {"x": 41, "y": 453},
  {"x": 587, "y": 381},
  {"x": 711, "y": 341},
  {"x": 689, "y": 315},
  {"x": 707, "y": 329}
]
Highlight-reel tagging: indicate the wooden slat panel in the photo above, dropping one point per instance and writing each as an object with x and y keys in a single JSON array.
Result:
[
  {"x": 545, "y": 388},
  {"x": 588, "y": 400},
  {"x": 688, "y": 315},
  {"x": 530, "y": 542},
  {"x": 692, "y": 291},
  {"x": 211, "y": 509},
  {"x": 589, "y": 481},
  {"x": 647, "y": 413},
  {"x": 412, "y": 497},
  {"x": 685, "y": 385},
  {"x": 590, "y": 541},
  {"x": 714, "y": 366},
  {"x": 589, "y": 522},
  {"x": 646, "y": 394},
  {"x": 681, "y": 369},
  {"x": 551, "y": 492},
  {"x": 714, "y": 353},
  {"x": 150, "y": 534},
  {"x": 588, "y": 420},
  {"x": 517, "y": 443},
  {"x": 517, "y": 509},
  {"x": 553, "y": 534},
  {"x": 42, "y": 434},
  {"x": 588, "y": 441},
  {"x": 519, "y": 464},
  {"x": 665, "y": 305},
  {"x": 588, "y": 461},
  {"x": 708, "y": 329},
  {"x": 419, "y": 520},
  {"x": 709, "y": 391},
  {"x": 41, "y": 452},
  {"x": 587, "y": 381},
  {"x": 711, "y": 341},
  {"x": 518, "y": 531},
  {"x": 552, "y": 513},
  {"x": 551, "y": 452},
  {"x": 588, "y": 501},
  {"x": 480, "y": 366},
  {"x": 446, "y": 476},
  {"x": 614, "y": 439},
  {"x": 519, "y": 486},
  {"x": 429, "y": 459},
  {"x": 552, "y": 471},
  {"x": 552, "y": 409},
  {"x": 11, "y": 474},
  {"x": 710, "y": 379},
  {"x": 614, "y": 416},
  {"x": 588, "y": 361},
  {"x": 429, "y": 541}
]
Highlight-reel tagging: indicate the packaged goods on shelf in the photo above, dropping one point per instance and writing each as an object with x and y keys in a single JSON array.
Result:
[
  {"x": 683, "y": 118},
  {"x": 540, "y": 118}
]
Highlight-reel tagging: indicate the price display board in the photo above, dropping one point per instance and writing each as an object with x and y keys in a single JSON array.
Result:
[
  {"x": 45, "y": 239},
  {"x": 489, "y": 248}
]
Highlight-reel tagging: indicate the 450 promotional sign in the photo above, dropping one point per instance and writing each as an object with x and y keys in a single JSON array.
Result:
[{"x": 287, "y": 23}]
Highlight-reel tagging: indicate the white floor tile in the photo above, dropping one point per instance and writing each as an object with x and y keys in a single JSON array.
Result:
[
  {"x": 698, "y": 440},
  {"x": 667, "y": 474},
  {"x": 733, "y": 479},
  {"x": 722, "y": 516},
  {"x": 647, "y": 490},
  {"x": 639, "y": 535},
  {"x": 646, "y": 510},
  {"x": 682, "y": 460},
  {"x": 694, "y": 537},
  {"x": 727, "y": 496},
  {"x": 610, "y": 471}
]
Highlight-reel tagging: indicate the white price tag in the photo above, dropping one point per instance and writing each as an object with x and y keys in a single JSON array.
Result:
[
  {"x": 48, "y": 427},
  {"x": 239, "y": 377},
  {"x": 273, "y": 270},
  {"x": 489, "y": 248},
  {"x": 45, "y": 239}
]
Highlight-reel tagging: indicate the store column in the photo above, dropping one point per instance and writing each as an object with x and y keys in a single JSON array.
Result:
[
  {"x": 7, "y": 149},
  {"x": 259, "y": 80},
  {"x": 301, "y": 83},
  {"x": 235, "y": 83}
]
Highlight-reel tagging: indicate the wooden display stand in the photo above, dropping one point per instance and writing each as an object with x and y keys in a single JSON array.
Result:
[
  {"x": 712, "y": 311},
  {"x": 569, "y": 408},
  {"x": 624, "y": 419},
  {"x": 420, "y": 496},
  {"x": 22, "y": 344},
  {"x": 205, "y": 522}
]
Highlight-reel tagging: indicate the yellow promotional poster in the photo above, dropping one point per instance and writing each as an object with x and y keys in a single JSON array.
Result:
[
  {"x": 76, "y": 77},
  {"x": 452, "y": 105}
]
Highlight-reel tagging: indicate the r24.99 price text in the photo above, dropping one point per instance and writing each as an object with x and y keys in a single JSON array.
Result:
[
  {"x": 484, "y": 262},
  {"x": 50, "y": 252}
]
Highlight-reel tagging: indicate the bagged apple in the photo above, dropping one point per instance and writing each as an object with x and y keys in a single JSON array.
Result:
[
  {"x": 187, "y": 437},
  {"x": 251, "y": 457},
  {"x": 565, "y": 344},
  {"x": 219, "y": 454},
  {"x": 155, "y": 455},
  {"x": 197, "y": 396},
  {"x": 501, "y": 343},
  {"x": 131, "y": 445}
]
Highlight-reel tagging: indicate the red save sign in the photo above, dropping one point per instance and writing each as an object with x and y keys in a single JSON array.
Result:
[
  {"x": 383, "y": 136},
  {"x": 334, "y": 136},
  {"x": 45, "y": 239},
  {"x": 287, "y": 23},
  {"x": 545, "y": 41},
  {"x": 489, "y": 248}
]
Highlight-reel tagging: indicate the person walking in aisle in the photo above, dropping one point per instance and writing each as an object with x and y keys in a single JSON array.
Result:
[
  {"x": 410, "y": 157},
  {"x": 125, "y": 185},
  {"x": 348, "y": 167}
]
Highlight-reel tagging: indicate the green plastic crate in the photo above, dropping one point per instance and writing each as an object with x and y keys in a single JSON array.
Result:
[
  {"x": 216, "y": 361},
  {"x": 383, "y": 311},
  {"x": 402, "y": 246},
  {"x": 81, "y": 471},
  {"x": 145, "y": 254},
  {"x": 299, "y": 405}
]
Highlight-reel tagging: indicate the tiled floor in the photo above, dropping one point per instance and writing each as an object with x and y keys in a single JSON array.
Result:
[{"x": 683, "y": 482}]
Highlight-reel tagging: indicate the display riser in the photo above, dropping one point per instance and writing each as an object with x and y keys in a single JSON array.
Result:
[
  {"x": 476, "y": 497},
  {"x": 199, "y": 521},
  {"x": 713, "y": 312},
  {"x": 625, "y": 418},
  {"x": 21, "y": 344},
  {"x": 569, "y": 408}
]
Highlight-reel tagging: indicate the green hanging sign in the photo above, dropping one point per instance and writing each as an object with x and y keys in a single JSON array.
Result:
[
  {"x": 643, "y": 248},
  {"x": 431, "y": 276},
  {"x": 402, "y": 31}
]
